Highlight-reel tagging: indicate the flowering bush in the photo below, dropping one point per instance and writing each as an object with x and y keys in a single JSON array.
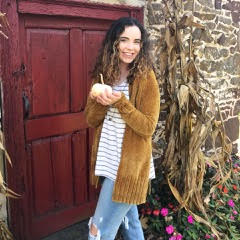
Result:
[{"x": 162, "y": 218}]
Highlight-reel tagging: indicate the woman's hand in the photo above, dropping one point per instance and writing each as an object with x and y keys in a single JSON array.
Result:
[{"x": 107, "y": 98}]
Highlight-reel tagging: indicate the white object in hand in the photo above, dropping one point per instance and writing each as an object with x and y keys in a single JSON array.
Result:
[{"x": 99, "y": 88}]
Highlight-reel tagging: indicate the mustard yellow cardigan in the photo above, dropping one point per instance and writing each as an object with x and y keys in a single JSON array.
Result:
[{"x": 141, "y": 114}]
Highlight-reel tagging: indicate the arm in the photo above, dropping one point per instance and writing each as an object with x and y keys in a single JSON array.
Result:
[{"x": 144, "y": 119}]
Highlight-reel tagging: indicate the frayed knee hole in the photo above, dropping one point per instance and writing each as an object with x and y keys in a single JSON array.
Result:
[{"x": 93, "y": 229}]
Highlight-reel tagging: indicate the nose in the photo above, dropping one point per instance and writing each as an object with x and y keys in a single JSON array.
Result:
[{"x": 130, "y": 45}]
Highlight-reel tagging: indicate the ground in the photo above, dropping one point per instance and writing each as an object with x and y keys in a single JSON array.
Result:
[{"x": 78, "y": 231}]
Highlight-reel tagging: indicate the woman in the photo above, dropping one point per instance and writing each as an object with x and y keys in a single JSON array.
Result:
[{"x": 124, "y": 122}]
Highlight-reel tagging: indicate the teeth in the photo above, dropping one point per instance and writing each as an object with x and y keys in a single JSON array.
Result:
[{"x": 129, "y": 54}]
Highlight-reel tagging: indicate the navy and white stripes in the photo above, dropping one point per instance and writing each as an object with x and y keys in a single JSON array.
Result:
[{"x": 110, "y": 144}]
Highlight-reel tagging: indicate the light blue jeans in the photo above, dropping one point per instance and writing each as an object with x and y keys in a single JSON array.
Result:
[{"x": 109, "y": 216}]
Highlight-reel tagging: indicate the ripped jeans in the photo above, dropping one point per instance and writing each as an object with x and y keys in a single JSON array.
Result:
[{"x": 110, "y": 216}]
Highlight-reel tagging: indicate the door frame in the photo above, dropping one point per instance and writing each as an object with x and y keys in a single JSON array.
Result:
[{"x": 10, "y": 61}]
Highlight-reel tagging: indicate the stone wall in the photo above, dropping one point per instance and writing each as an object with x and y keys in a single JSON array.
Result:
[{"x": 218, "y": 51}]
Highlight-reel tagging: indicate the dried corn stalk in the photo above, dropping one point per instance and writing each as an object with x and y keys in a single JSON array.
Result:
[
  {"x": 5, "y": 234},
  {"x": 191, "y": 120},
  {"x": 3, "y": 23}
]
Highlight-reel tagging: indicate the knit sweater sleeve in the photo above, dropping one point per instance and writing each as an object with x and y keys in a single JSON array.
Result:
[
  {"x": 144, "y": 119},
  {"x": 94, "y": 112}
]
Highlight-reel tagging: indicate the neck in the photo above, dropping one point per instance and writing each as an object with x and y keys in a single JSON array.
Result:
[{"x": 123, "y": 71}]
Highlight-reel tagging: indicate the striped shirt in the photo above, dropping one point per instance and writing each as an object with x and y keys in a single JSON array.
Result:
[{"x": 110, "y": 144}]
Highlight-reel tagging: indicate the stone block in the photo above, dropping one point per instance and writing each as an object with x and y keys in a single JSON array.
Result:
[
  {"x": 211, "y": 53},
  {"x": 204, "y": 16},
  {"x": 210, "y": 25},
  {"x": 228, "y": 14},
  {"x": 235, "y": 148},
  {"x": 225, "y": 20},
  {"x": 218, "y": 84},
  {"x": 157, "y": 6},
  {"x": 211, "y": 66},
  {"x": 221, "y": 40},
  {"x": 188, "y": 5},
  {"x": 233, "y": 50},
  {"x": 218, "y": 33},
  {"x": 236, "y": 109},
  {"x": 203, "y": 35},
  {"x": 231, "y": 65},
  {"x": 235, "y": 81},
  {"x": 232, "y": 128},
  {"x": 205, "y": 65},
  {"x": 235, "y": 92},
  {"x": 154, "y": 17},
  {"x": 236, "y": 17},
  {"x": 227, "y": 41},
  {"x": 224, "y": 53},
  {"x": 218, "y": 4},
  {"x": 208, "y": 3},
  {"x": 224, "y": 28}
]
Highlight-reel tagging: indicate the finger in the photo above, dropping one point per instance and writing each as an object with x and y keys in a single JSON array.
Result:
[
  {"x": 104, "y": 97},
  {"x": 117, "y": 94},
  {"x": 102, "y": 100},
  {"x": 92, "y": 96}
]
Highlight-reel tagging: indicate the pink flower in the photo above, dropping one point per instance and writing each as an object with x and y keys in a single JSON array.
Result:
[
  {"x": 172, "y": 238},
  {"x": 207, "y": 236},
  {"x": 170, "y": 229},
  {"x": 164, "y": 212},
  {"x": 190, "y": 219},
  {"x": 179, "y": 237},
  {"x": 232, "y": 217},
  {"x": 231, "y": 203},
  {"x": 235, "y": 212}
]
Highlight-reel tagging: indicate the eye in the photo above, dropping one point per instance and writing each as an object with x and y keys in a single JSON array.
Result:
[
  {"x": 137, "y": 41},
  {"x": 123, "y": 39}
]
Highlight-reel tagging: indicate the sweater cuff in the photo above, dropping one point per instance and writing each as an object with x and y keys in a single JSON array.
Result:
[{"x": 123, "y": 104}]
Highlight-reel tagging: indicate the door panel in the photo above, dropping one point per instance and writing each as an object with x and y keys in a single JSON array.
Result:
[
  {"x": 78, "y": 94},
  {"x": 61, "y": 154},
  {"x": 80, "y": 169},
  {"x": 41, "y": 159},
  {"x": 48, "y": 51}
]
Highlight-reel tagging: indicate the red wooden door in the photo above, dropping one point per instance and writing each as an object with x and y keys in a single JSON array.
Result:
[
  {"x": 58, "y": 44},
  {"x": 55, "y": 88}
]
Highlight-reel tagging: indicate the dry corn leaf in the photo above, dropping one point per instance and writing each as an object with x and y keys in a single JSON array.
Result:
[
  {"x": 144, "y": 221},
  {"x": 192, "y": 118},
  {"x": 187, "y": 20}
]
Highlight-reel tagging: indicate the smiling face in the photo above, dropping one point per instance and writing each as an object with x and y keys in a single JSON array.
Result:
[{"x": 129, "y": 44}]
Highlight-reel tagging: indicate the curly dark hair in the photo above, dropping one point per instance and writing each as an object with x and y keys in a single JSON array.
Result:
[{"x": 107, "y": 61}]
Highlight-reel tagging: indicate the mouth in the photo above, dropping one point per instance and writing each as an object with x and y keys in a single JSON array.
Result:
[{"x": 126, "y": 54}]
